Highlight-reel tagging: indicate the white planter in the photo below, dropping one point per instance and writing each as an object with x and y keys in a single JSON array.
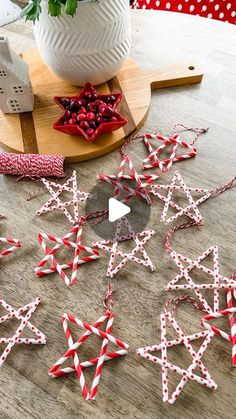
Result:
[{"x": 89, "y": 47}]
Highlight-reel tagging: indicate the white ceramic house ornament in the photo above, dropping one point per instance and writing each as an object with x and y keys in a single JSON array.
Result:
[{"x": 16, "y": 94}]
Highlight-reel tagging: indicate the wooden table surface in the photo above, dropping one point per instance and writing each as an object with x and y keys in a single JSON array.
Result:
[{"x": 130, "y": 386}]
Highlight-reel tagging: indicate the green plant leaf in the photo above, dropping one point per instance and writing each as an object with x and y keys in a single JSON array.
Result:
[
  {"x": 32, "y": 11},
  {"x": 54, "y": 7},
  {"x": 70, "y": 7}
]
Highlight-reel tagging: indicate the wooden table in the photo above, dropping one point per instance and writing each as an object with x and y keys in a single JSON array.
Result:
[{"x": 131, "y": 386}]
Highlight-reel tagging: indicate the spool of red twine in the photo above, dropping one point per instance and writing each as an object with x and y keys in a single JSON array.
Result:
[{"x": 31, "y": 165}]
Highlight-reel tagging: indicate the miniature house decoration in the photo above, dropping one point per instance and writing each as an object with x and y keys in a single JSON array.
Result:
[{"x": 16, "y": 94}]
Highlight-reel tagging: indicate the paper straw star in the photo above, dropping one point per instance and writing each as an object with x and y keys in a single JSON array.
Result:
[
  {"x": 16, "y": 244},
  {"x": 153, "y": 160},
  {"x": 231, "y": 312},
  {"x": 220, "y": 282},
  {"x": 78, "y": 367},
  {"x": 187, "y": 374},
  {"x": 24, "y": 323},
  {"x": 191, "y": 210},
  {"x": 55, "y": 203},
  {"x": 76, "y": 245},
  {"x": 140, "y": 239},
  {"x": 116, "y": 180}
]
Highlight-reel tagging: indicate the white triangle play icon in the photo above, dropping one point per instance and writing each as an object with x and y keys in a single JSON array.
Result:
[{"x": 117, "y": 210}]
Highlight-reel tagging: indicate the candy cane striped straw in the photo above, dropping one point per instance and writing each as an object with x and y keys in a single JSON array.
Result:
[
  {"x": 18, "y": 332},
  {"x": 16, "y": 243},
  {"x": 232, "y": 320}
]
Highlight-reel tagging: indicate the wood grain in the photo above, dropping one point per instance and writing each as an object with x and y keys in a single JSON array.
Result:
[
  {"x": 130, "y": 387},
  {"x": 28, "y": 133},
  {"x": 132, "y": 81}
]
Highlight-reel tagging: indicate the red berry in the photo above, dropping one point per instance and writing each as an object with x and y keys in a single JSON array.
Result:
[
  {"x": 82, "y": 102},
  {"x": 90, "y": 116},
  {"x": 91, "y": 107},
  {"x": 111, "y": 99},
  {"x": 74, "y": 115},
  {"x": 99, "y": 102},
  {"x": 102, "y": 108},
  {"x": 82, "y": 110},
  {"x": 100, "y": 120},
  {"x": 66, "y": 114},
  {"x": 84, "y": 125},
  {"x": 81, "y": 117},
  {"x": 72, "y": 121},
  {"x": 107, "y": 111},
  {"x": 113, "y": 119},
  {"x": 88, "y": 95},
  {"x": 93, "y": 125},
  {"x": 90, "y": 132},
  {"x": 65, "y": 102}
]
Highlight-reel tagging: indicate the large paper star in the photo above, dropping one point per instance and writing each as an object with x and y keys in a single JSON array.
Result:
[
  {"x": 153, "y": 160},
  {"x": 230, "y": 311},
  {"x": 89, "y": 254},
  {"x": 55, "y": 202},
  {"x": 220, "y": 282},
  {"x": 78, "y": 366},
  {"x": 187, "y": 374},
  {"x": 116, "y": 180},
  {"x": 191, "y": 210},
  {"x": 16, "y": 244},
  {"x": 144, "y": 236},
  {"x": 24, "y": 323}
]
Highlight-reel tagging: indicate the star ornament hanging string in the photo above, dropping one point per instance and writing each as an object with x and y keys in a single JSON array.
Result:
[
  {"x": 111, "y": 246},
  {"x": 24, "y": 323},
  {"x": 186, "y": 374},
  {"x": 78, "y": 366},
  {"x": 89, "y": 254},
  {"x": 219, "y": 281},
  {"x": 55, "y": 203}
]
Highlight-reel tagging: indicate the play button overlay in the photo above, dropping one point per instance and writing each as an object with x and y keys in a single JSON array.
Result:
[
  {"x": 137, "y": 211},
  {"x": 117, "y": 210}
]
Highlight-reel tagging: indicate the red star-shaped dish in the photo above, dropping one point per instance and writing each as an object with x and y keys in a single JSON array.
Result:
[
  {"x": 89, "y": 114},
  {"x": 188, "y": 373}
]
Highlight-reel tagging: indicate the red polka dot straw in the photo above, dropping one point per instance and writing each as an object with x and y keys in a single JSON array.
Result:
[
  {"x": 24, "y": 323},
  {"x": 57, "y": 371},
  {"x": 186, "y": 374},
  {"x": 82, "y": 254},
  {"x": 111, "y": 246}
]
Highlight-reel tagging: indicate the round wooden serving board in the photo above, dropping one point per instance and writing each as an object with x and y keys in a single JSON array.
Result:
[{"x": 33, "y": 132}]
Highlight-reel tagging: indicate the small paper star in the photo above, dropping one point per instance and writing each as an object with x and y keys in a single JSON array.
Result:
[
  {"x": 76, "y": 245},
  {"x": 24, "y": 323},
  {"x": 187, "y": 374},
  {"x": 16, "y": 244},
  {"x": 116, "y": 180},
  {"x": 230, "y": 311},
  {"x": 153, "y": 159},
  {"x": 55, "y": 202},
  {"x": 220, "y": 282},
  {"x": 78, "y": 367},
  {"x": 191, "y": 210},
  {"x": 144, "y": 236}
]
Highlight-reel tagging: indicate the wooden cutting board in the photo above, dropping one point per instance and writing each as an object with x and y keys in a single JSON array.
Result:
[{"x": 33, "y": 132}]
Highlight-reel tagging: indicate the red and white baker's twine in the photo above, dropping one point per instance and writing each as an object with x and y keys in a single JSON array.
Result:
[
  {"x": 92, "y": 254},
  {"x": 24, "y": 322},
  {"x": 104, "y": 245}
]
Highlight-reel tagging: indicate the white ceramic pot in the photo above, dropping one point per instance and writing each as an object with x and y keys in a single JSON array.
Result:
[{"x": 89, "y": 47}]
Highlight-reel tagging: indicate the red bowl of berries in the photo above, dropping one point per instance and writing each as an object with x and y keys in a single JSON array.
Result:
[{"x": 89, "y": 114}]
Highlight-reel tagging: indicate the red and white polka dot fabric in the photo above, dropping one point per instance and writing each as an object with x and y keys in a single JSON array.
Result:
[{"x": 224, "y": 10}]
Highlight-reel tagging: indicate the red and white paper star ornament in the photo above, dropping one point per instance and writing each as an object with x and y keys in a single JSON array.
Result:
[
  {"x": 88, "y": 254},
  {"x": 55, "y": 203},
  {"x": 15, "y": 244},
  {"x": 186, "y": 374},
  {"x": 191, "y": 210},
  {"x": 153, "y": 160},
  {"x": 219, "y": 281},
  {"x": 24, "y": 323},
  {"x": 229, "y": 312},
  {"x": 116, "y": 180},
  {"x": 111, "y": 246},
  {"x": 78, "y": 366}
]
